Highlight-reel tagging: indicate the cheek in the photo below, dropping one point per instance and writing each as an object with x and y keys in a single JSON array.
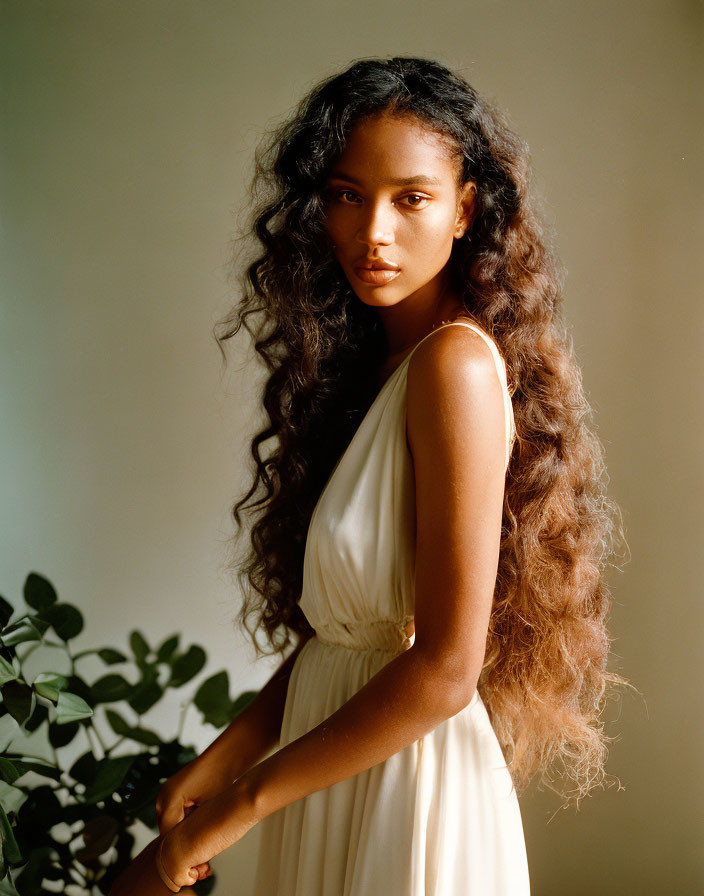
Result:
[{"x": 430, "y": 233}]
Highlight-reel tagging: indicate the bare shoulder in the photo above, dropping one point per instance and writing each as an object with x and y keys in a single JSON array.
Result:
[
  {"x": 450, "y": 348},
  {"x": 453, "y": 382}
]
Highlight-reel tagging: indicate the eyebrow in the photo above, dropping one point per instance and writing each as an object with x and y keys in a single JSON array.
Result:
[{"x": 397, "y": 182}]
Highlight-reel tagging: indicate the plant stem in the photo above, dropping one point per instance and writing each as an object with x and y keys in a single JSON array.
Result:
[
  {"x": 113, "y": 746},
  {"x": 182, "y": 719},
  {"x": 29, "y": 756}
]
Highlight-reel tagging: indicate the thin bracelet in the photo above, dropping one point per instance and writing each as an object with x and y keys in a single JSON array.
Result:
[{"x": 162, "y": 871}]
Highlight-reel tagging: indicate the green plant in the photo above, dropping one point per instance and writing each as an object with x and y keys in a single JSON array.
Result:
[{"x": 105, "y": 790}]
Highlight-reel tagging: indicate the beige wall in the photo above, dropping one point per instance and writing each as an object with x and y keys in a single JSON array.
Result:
[{"x": 127, "y": 141}]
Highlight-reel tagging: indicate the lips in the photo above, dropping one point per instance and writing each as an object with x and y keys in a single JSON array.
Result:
[
  {"x": 376, "y": 277},
  {"x": 376, "y": 264}
]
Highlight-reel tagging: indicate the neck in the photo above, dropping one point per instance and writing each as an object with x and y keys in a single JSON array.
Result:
[
  {"x": 398, "y": 354},
  {"x": 402, "y": 338}
]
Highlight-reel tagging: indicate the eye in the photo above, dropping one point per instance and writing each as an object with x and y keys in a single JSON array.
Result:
[
  {"x": 415, "y": 196},
  {"x": 415, "y": 199},
  {"x": 339, "y": 193}
]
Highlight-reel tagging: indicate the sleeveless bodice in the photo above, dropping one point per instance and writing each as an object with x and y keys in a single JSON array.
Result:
[{"x": 358, "y": 573}]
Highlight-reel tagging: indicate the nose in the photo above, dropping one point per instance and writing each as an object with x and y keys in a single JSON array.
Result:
[{"x": 375, "y": 227}]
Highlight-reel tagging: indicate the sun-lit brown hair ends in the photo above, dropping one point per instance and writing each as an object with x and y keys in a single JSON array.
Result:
[{"x": 545, "y": 680}]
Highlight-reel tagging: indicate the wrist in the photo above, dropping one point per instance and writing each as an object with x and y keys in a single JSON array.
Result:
[
  {"x": 250, "y": 790},
  {"x": 214, "y": 826},
  {"x": 163, "y": 873}
]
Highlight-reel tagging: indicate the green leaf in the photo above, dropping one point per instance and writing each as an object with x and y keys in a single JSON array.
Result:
[
  {"x": 98, "y": 835},
  {"x": 62, "y": 734},
  {"x": 117, "y": 723},
  {"x": 84, "y": 769},
  {"x": 73, "y": 812},
  {"x": 19, "y": 700},
  {"x": 9, "y": 770},
  {"x": 35, "y": 871},
  {"x": 186, "y": 666},
  {"x": 7, "y": 887},
  {"x": 9, "y": 845},
  {"x": 40, "y": 624},
  {"x": 42, "y": 804},
  {"x": 241, "y": 703},
  {"x": 38, "y": 717},
  {"x": 136, "y": 733},
  {"x": 145, "y": 736},
  {"x": 6, "y": 611},
  {"x": 110, "y": 656},
  {"x": 7, "y": 671},
  {"x": 70, "y": 707},
  {"x": 11, "y": 798},
  {"x": 108, "y": 777},
  {"x": 145, "y": 694},
  {"x": 38, "y": 592},
  {"x": 48, "y": 771},
  {"x": 9, "y": 729},
  {"x": 111, "y": 687},
  {"x": 65, "y": 619},
  {"x": 167, "y": 649},
  {"x": 139, "y": 646},
  {"x": 23, "y": 629},
  {"x": 140, "y": 788},
  {"x": 213, "y": 699},
  {"x": 78, "y": 686},
  {"x": 48, "y": 684}
]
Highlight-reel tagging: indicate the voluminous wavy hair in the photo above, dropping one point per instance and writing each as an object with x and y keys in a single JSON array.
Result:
[{"x": 544, "y": 681}]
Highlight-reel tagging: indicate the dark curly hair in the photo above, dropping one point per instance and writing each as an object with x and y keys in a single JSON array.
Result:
[{"x": 544, "y": 680}]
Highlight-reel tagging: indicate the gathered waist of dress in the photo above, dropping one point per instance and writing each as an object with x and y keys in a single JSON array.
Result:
[{"x": 378, "y": 634}]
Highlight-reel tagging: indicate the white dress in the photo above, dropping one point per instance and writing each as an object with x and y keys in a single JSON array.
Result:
[{"x": 440, "y": 817}]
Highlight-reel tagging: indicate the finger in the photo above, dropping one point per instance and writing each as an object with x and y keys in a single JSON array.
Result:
[{"x": 170, "y": 818}]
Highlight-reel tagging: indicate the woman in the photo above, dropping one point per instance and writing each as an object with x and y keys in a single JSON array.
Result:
[{"x": 434, "y": 523}]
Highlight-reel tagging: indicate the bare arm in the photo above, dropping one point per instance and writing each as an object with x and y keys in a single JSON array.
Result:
[
  {"x": 456, "y": 433},
  {"x": 256, "y": 730}
]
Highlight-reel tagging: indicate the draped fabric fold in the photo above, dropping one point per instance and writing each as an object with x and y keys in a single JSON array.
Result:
[{"x": 440, "y": 817}]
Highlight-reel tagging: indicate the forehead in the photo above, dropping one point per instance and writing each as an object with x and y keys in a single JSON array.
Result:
[{"x": 390, "y": 149}]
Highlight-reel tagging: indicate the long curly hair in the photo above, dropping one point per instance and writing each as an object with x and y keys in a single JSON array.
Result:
[{"x": 544, "y": 680}]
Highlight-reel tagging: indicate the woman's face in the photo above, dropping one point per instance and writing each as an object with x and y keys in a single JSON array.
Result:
[{"x": 392, "y": 196}]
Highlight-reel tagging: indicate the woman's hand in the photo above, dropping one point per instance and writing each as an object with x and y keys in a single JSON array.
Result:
[
  {"x": 141, "y": 878},
  {"x": 207, "y": 831},
  {"x": 189, "y": 846},
  {"x": 192, "y": 785},
  {"x": 189, "y": 788}
]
